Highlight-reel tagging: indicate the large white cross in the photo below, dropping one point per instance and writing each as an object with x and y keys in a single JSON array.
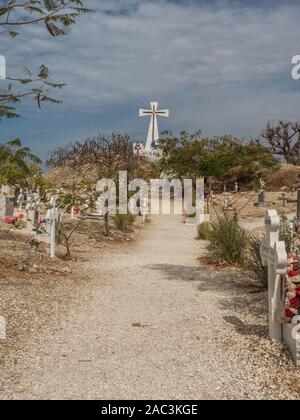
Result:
[
  {"x": 153, "y": 135},
  {"x": 274, "y": 256}
]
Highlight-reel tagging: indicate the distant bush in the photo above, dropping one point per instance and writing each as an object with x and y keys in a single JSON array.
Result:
[
  {"x": 254, "y": 262},
  {"x": 203, "y": 231},
  {"x": 124, "y": 222},
  {"x": 228, "y": 241}
]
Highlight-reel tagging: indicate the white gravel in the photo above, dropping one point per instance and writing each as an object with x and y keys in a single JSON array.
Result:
[{"x": 148, "y": 322}]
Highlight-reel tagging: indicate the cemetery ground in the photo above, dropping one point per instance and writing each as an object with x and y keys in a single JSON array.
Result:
[{"x": 138, "y": 316}]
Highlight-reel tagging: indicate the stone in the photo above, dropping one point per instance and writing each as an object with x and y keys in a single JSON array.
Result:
[{"x": 20, "y": 267}]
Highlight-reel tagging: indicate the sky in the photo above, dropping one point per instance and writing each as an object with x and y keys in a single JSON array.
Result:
[{"x": 220, "y": 66}]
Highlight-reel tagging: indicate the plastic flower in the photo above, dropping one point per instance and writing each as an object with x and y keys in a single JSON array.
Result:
[
  {"x": 291, "y": 294},
  {"x": 293, "y": 273},
  {"x": 292, "y": 286},
  {"x": 289, "y": 313},
  {"x": 294, "y": 303}
]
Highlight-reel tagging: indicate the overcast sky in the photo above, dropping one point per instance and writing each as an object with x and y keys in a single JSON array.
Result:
[{"x": 219, "y": 66}]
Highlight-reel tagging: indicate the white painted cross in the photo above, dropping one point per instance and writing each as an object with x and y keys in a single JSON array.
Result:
[
  {"x": 52, "y": 216},
  {"x": 274, "y": 255},
  {"x": 153, "y": 134}
]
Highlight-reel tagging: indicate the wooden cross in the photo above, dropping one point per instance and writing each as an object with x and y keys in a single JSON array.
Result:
[
  {"x": 153, "y": 135},
  {"x": 274, "y": 256}
]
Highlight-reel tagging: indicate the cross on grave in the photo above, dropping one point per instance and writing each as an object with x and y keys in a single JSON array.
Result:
[
  {"x": 153, "y": 134},
  {"x": 283, "y": 198},
  {"x": 138, "y": 149},
  {"x": 297, "y": 202},
  {"x": 33, "y": 205},
  {"x": 274, "y": 256},
  {"x": 52, "y": 217},
  {"x": 236, "y": 188},
  {"x": 21, "y": 199},
  {"x": 262, "y": 184}
]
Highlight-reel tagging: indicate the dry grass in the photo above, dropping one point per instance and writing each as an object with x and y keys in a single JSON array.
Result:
[{"x": 287, "y": 176}]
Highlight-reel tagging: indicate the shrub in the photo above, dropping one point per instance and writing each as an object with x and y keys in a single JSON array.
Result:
[
  {"x": 228, "y": 241},
  {"x": 203, "y": 231},
  {"x": 124, "y": 222},
  {"x": 254, "y": 262}
]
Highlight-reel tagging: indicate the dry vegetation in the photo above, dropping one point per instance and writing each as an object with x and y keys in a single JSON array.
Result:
[{"x": 287, "y": 176}]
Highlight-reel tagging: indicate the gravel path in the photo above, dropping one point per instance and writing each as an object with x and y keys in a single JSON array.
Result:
[{"x": 152, "y": 323}]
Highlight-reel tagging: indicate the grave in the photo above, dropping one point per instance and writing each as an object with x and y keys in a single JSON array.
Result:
[
  {"x": 6, "y": 206},
  {"x": 32, "y": 210},
  {"x": 52, "y": 217},
  {"x": 297, "y": 201},
  {"x": 274, "y": 256}
]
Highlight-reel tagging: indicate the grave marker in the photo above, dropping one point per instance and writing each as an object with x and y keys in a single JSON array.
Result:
[
  {"x": 6, "y": 207},
  {"x": 274, "y": 256},
  {"x": 52, "y": 217},
  {"x": 297, "y": 202},
  {"x": 32, "y": 210}
]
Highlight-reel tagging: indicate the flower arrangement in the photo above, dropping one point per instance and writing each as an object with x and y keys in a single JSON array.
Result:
[
  {"x": 14, "y": 220},
  {"x": 292, "y": 290}
]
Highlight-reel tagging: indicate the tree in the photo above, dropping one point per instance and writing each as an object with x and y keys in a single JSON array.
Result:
[
  {"x": 55, "y": 16},
  {"x": 100, "y": 157},
  {"x": 104, "y": 156},
  {"x": 18, "y": 166},
  {"x": 67, "y": 197},
  {"x": 193, "y": 156},
  {"x": 284, "y": 140}
]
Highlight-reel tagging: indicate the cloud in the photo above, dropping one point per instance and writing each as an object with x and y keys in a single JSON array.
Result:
[{"x": 198, "y": 58}]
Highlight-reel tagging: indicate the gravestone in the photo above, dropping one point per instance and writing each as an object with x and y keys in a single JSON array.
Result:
[
  {"x": 297, "y": 201},
  {"x": 52, "y": 217},
  {"x": 283, "y": 198},
  {"x": 274, "y": 256},
  {"x": 262, "y": 196},
  {"x": 261, "y": 199},
  {"x": 21, "y": 199},
  {"x": 33, "y": 210},
  {"x": 6, "y": 206}
]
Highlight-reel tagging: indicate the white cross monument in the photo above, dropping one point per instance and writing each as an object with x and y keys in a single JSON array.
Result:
[{"x": 153, "y": 135}]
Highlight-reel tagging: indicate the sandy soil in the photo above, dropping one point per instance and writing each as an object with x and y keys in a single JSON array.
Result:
[{"x": 145, "y": 320}]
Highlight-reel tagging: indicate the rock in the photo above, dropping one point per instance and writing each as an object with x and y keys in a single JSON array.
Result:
[{"x": 20, "y": 267}]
